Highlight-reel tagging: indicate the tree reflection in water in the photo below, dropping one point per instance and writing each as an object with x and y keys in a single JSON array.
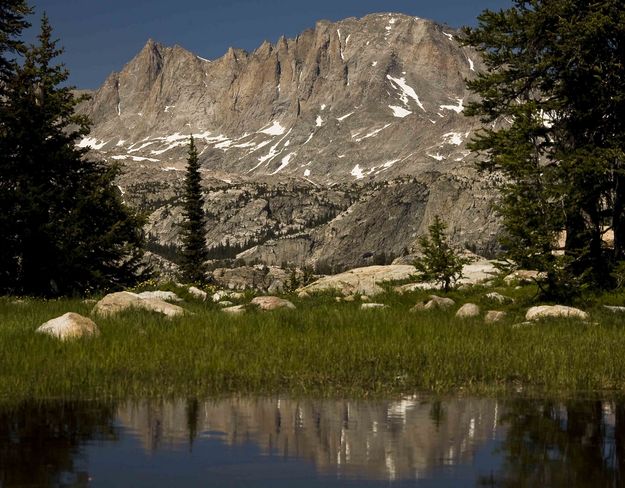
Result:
[
  {"x": 40, "y": 442},
  {"x": 562, "y": 444}
]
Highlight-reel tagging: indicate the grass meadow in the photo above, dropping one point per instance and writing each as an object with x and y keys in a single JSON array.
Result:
[{"x": 322, "y": 348}]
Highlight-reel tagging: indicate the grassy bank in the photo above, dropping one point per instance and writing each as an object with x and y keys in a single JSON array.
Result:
[{"x": 323, "y": 347}]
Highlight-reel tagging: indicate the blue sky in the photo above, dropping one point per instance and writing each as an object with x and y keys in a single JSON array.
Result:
[{"x": 100, "y": 36}]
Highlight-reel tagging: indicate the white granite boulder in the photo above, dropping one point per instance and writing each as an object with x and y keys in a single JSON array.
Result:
[
  {"x": 555, "y": 311},
  {"x": 373, "y": 306},
  {"x": 440, "y": 303},
  {"x": 166, "y": 296},
  {"x": 272, "y": 303},
  {"x": 197, "y": 293},
  {"x": 493, "y": 316},
  {"x": 499, "y": 298},
  {"x": 114, "y": 303},
  {"x": 467, "y": 311},
  {"x": 235, "y": 310},
  {"x": 69, "y": 326}
]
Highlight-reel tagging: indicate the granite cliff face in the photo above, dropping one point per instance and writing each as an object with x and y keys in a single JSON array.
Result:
[{"x": 336, "y": 147}]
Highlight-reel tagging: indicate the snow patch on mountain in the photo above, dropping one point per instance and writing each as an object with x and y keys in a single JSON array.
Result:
[
  {"x": 407, "y": 91},
  {"x": 276, "y": 129},
  {"x": 357, "y": 172},
  {"x": 456, "y": 108},
  {"x": 399, "y": 112}
]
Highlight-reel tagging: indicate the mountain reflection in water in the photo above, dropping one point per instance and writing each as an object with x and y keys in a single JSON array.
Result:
[
  {"x": 377, "y": 440},
  {"x": 514, "y": 442}
]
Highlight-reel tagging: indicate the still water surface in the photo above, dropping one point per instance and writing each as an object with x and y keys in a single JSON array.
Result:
[{"x": 278, "y": 442}]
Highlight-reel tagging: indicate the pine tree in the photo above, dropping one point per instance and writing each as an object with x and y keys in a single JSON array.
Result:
[
  {"x": 12, "y": 23},
  {"x": 439, "y": 262},
  {"x": 194, "y": 251},
  {"x": 73, "y": 233},
  {"x": 556, "y": 75}
]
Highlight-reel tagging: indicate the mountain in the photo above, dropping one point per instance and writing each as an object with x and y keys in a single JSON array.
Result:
[{"x": 337, "y": 147}]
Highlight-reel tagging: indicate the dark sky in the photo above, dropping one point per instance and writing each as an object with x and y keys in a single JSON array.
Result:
[{"x": 100, "y": 36}]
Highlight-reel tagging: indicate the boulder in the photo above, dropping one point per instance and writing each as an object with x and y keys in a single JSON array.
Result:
[
  {"x": 69, "y": 326},
  {"x": 303, "y": 295},
  {"x": 225, "y": 304},
  {"x": 272, "y": 303},
  {"x": 114, "y": 303},
  {"x": 614, "y": 309},
  {"x": 437, "y": 302},
  {"x": 362, "y": 281},
  {"x": 468, "y": 310},
  {"x": 499, "y": 298},
  {"x": 419, "y": 307},
  {"x": 373, "y": 306},
  {"x": 276, "y": 287},
  {"x": 524, "y": 277},
  {"x": 521, "y": 325},
  {"x": 555, "y": 311},
  {"x": 236, "y": 310},
  {"x": 493, "y": 316},
  {"x": 224, "y": 294},
  {"x": 350, "y": 298},
  {"x": 162, "y": 307},
  {"x": 197, "y": 293},
  {"x": 259, "y": 278},
  {"x": 365, "y": 298},
  {"x": 167, "y": 296}
]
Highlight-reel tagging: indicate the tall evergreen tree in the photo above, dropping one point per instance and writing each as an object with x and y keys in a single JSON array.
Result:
[
  {"x": 12, "y": 23},
  {"x": 194, "y": 251},
  {"x": 73, "y": 233},
  {"x": 556, "y": 74}
]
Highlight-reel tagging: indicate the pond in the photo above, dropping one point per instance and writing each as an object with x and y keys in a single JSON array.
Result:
[{"x": 282, "y": 442}]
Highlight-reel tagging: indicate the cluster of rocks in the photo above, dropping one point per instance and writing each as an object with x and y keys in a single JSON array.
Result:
[
  {"x": 466, "y": 311},
  {"x": 74, "y": 326},
  {"x": 361, "y": 284}
]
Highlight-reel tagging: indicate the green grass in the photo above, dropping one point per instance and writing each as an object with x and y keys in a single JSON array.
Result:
[{"x": 322, "y": 348}]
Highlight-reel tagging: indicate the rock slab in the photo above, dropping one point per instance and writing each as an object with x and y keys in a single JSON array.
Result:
[
  {"x": 555, "y": 311},
  {"x": 115, "y": 303},
  {"x": 166, "y": 296},
  {"x": 362, "y": 281}
]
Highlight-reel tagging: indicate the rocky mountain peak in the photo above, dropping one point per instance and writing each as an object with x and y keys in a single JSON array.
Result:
[{"x": 352, "y": 103}]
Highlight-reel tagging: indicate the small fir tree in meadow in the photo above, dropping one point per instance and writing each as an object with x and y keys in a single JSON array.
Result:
[
  {"x": 194, "y": 251},
  {"x": 439, "y": 262}
]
